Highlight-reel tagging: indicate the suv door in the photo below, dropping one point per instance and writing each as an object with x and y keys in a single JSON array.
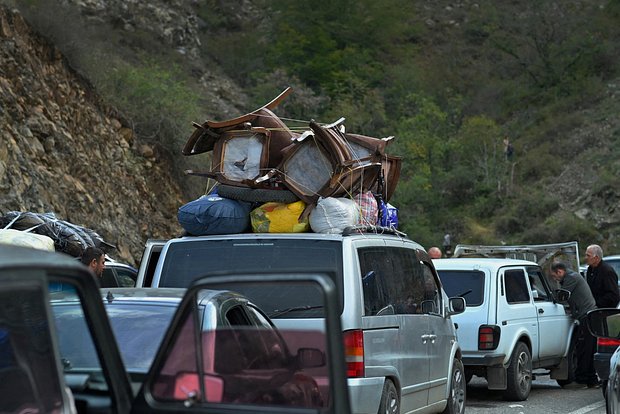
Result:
[
  {"x": 515, "y": 312},
  {"x": 553, "y": 322}
]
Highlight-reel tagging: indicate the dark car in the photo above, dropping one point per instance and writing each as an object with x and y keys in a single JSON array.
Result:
[
  {"x": 605, "y": 346},
  {"x": 605, "y": 324},
  {"x": 243, "y": 338},
  {"x": 117, "y": 274},
  {"x": 245, "y": 366}
]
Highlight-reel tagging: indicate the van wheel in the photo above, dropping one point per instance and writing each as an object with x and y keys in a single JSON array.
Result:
[
  {"x": 456, "y": 393},
  {"x": 389, "y": 399},
  {"x": 519, "y": 374}
]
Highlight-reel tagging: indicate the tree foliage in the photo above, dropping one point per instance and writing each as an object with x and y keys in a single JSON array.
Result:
[{"x": 450, "y": 80}]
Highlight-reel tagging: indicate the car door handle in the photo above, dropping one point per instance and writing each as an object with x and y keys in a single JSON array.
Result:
[
  {"x": 427, "y": 337},
  {"x": 541, "y": 310}
]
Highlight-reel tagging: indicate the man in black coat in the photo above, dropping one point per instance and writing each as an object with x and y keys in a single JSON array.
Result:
[
  {"x": 603, "y": 282},
  {"x": 601, "y": 278}
]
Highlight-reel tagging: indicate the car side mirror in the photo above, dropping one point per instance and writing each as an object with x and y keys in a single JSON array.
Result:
[
  {"x": 457, "y": 305},
  {"x": 187, "y": 387},
  {"x": 562, "y": 295},
  {"x": 604, "y": 323},
  {"x": 310, "y": 358}
]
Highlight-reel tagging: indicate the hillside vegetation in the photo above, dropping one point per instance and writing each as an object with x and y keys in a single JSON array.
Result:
[{"x": 449, "y": 79}]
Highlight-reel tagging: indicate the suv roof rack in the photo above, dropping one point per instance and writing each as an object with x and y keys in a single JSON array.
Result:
[{"x": 360, "y": 229}]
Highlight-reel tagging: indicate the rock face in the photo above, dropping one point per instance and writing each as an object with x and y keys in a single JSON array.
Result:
[{"x": 62, "y": 151}]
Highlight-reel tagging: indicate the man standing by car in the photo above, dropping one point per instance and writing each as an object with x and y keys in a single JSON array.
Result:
[
  {"x": 94, "y": 258},
  {"x": 435, "y": 252},
  {"x": 602, "y": 278},
  {"x": 581, "y": 302}
]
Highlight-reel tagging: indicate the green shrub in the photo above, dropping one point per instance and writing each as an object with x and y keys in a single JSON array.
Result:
[{"x": 156, "y": 99}]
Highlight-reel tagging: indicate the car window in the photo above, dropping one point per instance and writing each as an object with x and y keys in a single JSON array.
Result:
[
  {"x": 615, "y": 263},
  {"x": 432, "y": 296},
  {"x": 77, "y": 349},
  {"x": 394, "y": 281},
  {"x": 244, "y": 363},
  {"x": 26, "y": 343},
  {"x": 187, "y": 261},
  {"x": 468, "y": 284},
  {"x": 290, "y": 302},
  {"x": 515, "y": 286},
  {"x": 150, "y": 320},
  {"x": 126, "y": 277},
  {"x": 108, "y": 278},
  {"x": 538, "y": 287}
]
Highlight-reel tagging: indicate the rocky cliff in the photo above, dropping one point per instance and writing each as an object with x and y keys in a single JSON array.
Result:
[{"x": 62, "y": 151}]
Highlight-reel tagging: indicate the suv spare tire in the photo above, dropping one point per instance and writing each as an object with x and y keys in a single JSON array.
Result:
[{"x": 256, "y": 195}]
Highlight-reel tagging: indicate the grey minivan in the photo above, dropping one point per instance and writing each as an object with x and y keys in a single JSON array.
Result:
[{"x": 400, "y": 342}]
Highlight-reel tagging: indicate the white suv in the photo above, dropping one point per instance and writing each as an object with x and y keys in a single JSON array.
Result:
[{"x": 512, "y": 324}]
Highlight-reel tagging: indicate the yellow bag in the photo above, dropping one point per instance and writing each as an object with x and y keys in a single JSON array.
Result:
[{"x": 279, "y": 218}]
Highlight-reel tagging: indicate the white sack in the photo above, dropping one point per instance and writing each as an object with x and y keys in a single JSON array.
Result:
[
  {"x": 25, "y": 239},
  {"x": 333, "y": 215}
]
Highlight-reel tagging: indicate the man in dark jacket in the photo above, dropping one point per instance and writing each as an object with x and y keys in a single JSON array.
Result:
[
  {"x": 581, "y": 302},
  {"x": 602, "y": 278}
]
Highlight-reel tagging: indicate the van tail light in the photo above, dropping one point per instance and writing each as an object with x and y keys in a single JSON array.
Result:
[
  {"x": 354, "y": 353},
  {"x": 607, "y": 344},
  {"x": 488, "y": 337}
]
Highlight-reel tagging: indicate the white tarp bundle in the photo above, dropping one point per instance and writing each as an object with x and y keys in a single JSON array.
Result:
[{"x": 25, "y": 239}]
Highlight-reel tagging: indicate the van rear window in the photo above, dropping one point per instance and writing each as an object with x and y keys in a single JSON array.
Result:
[
  {"x": 468, "y": 284},
  {"x": 187, "y": 261}
]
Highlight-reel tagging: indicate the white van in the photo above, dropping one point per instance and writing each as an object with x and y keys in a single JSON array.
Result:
[{"x": 401, "y": 348}]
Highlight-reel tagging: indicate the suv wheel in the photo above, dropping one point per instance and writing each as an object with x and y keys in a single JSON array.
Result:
[
  {"x": 389, "y": 399},
  {"x": 519, "y": 374},
  {"x": 456, "y": 393},
  {"x": 256, "y": 195}
]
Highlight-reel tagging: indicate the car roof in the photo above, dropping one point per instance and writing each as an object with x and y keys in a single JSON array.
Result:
[
  {"x": 306, "y": 236},
  {"x": 144, "y": 294},
  {"x": 464, "y": 263},
  {"x": 164, "y": 295}
]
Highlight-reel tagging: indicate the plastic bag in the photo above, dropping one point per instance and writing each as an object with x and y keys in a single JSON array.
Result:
[
  {"x": 332, "y": 215},
  {"x": 212, "y": 214},
  {"x": 279, "y": 218},
  {"x": 368, "y": 208},
  {"x": 388, "y": 216}
]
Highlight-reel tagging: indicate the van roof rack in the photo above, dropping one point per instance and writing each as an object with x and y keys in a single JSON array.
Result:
[{"x": 361, "y": 229}]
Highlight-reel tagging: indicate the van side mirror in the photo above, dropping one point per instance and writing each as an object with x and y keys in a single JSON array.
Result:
[
  {"x": 604, "y": 323},
  {"x": 457, "y": 305},
  {"x": 562, "y": 295}
]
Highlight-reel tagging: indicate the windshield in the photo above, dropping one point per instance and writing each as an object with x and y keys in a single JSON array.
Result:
[
  {"x": 468, "y": 284},
  {"x": 138, "y": 351}
]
